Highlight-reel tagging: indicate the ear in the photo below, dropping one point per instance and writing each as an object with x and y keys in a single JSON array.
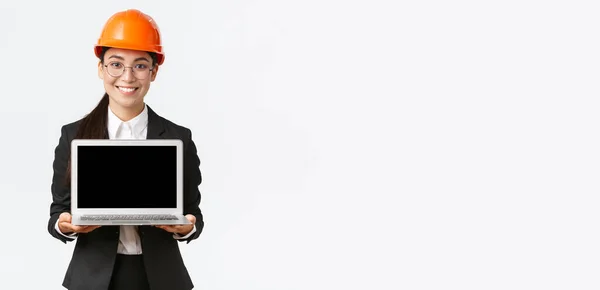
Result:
[
  {"x": 154, "y": 72},
  {"x": 100, "y": 70}
]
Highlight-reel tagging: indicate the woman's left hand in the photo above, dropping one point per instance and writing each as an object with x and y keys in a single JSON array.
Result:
[{"x": 181, "y": 229}]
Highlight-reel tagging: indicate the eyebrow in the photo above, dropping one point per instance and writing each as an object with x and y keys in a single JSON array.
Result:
[{"x": 121, "y": 58}]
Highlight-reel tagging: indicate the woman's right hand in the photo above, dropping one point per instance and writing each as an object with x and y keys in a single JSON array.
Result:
[{"x": 65, "y": 226}]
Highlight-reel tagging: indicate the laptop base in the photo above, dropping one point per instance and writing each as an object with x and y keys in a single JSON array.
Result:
[{"x": 79, "y": 221}]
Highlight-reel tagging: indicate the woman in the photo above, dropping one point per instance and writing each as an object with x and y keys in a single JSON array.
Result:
[{"x": 126, "y": 257}]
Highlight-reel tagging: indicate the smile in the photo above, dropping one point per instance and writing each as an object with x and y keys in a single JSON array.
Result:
[{"x": 126, "y": 90}]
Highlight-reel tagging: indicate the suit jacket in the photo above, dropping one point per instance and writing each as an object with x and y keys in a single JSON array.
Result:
[{"x": 94, "y": 255}]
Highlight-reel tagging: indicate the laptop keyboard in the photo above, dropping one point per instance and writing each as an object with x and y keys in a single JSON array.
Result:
[{"x": 127, "y": 217}]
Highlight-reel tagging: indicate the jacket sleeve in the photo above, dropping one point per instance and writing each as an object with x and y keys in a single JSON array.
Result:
[
  {"x": 191, "y": 180},
  {"x": 61, "y": 193}
]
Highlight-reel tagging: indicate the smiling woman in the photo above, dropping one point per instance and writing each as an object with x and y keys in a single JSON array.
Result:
[{"x": 112, "y": 257}]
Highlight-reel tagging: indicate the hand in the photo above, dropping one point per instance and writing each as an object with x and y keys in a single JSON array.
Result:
[
  {"x": 65, "y": 226},
  {"x": 181, "y": 229}
]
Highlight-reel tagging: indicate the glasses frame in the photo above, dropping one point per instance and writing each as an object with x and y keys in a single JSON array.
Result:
[{"x": 126, "y": 67}]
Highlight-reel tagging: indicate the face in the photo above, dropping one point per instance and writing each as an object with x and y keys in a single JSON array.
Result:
[{"x": 127, "y": 91}]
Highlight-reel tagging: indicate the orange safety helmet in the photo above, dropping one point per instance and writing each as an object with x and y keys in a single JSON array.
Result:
[{"x": 131, "y": 29}]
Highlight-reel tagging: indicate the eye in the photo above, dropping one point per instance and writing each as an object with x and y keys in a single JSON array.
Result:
[
  {"x": 141, "y": 66},
  {"x": 115, "y": 65}
]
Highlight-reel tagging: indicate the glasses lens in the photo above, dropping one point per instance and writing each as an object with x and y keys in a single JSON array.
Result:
[
  {"x": 141, "y": 71},
  {"x": 116, "y": 69}
]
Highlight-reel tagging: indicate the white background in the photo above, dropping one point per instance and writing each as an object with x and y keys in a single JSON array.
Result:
[{"x": 344, "y": 144}]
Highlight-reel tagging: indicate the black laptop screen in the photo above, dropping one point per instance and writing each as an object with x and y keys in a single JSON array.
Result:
[{"x": 126, "y": 176}]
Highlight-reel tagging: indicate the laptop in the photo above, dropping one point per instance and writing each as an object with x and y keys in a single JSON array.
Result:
[{"x": 127, "y": 182}]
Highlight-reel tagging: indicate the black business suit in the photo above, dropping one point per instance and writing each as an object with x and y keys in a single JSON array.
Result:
[{"x": 94, "y": 255}]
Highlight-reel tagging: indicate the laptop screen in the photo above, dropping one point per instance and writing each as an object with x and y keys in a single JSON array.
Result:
[{"x": 127, "y": 176}]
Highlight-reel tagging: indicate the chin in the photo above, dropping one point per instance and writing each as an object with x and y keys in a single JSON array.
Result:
[{"x": 128, "y": 101}]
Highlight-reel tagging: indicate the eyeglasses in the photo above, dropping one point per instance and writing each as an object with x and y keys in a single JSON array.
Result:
[{"x": 116, "y": 69}]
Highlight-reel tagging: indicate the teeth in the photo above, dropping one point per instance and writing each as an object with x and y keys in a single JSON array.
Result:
[{"x": 126, "y": 90}]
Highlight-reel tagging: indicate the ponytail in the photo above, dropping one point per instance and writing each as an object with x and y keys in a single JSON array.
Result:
[{"x": 92, "y": 126}]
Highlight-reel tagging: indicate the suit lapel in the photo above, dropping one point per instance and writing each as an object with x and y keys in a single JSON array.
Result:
[{"x": 155, "y": 125}]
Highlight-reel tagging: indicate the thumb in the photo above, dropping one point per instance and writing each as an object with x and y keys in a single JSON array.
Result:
[
  {"x": 191, "y": 218},
  {"x": 65, "y": 217}
]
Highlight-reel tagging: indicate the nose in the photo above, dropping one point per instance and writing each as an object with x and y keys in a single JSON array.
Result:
[{"x": 128, "y": 74}]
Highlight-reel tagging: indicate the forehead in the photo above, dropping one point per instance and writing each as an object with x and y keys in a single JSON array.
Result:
[{"x": 126, "y": 54}]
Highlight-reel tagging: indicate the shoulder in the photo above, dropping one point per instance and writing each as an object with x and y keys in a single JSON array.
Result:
[
  {"x": 171, "y": 128},
  {"x": 70, "y": 129},
  {"x": 176, "y": 128}
]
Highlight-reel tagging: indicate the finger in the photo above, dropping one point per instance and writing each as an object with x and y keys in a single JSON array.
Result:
[
  {"x": 178, "y": 227},
  {"x": 66, "y": 227},
  {"x": 168, "y": 228},
  {"x": 84, "y": 229},
  {"x": 77, "y": 229},
  {"x": 88, "y": 229}
]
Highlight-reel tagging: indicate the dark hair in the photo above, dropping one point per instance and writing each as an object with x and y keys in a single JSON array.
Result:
[{"x": 93, "y": 125}]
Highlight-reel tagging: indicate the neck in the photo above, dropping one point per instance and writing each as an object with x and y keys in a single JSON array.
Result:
[{"x": 126, "y": 114}]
